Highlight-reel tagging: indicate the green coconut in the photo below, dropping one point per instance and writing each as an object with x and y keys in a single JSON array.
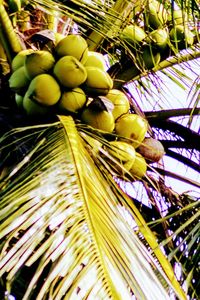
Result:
[
  {"x": 95, "y": 59},
  {"x": 181, "y": 36},
  {"x": 14, "y": 5},
  {"x": 159, "y": 38},
  {"x": 133, "y": 34},
  {"x": 58, "y": 37},
  {"x": 178, "y": 17},
  {"x": 155, "y": 15},
  {"x": 19, "y": 101},
  {"x": 123, "y": 152},
  {"x": 150, "y": 57},
  {"x": 34, "y": 108}
]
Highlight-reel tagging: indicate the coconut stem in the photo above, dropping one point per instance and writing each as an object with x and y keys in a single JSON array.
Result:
[
  {"x": 165, "y": 114},
  {"x": 178, "y": 177},
  {"x": 3, "y": 59},
  {"x": 9, "y": 32}
]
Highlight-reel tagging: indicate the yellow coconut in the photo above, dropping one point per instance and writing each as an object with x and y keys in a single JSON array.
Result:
[
  {"x": 73, "y": 45},
  {"x": 133, "y": 127},
  {"x": 38, "y": 62},
  {"x": 98, "y": 82},
  {"x": 72, "y": 100},
  {"x": 139, "y": 167},
  {"x": 70, "y": 72},
  {"x": 102, "y": 120},
  {"x": 95, "y": 59},
  {"x": 123, "y": 152},
  {"x": 19, "y": 59},
  {"x": 44, "y": 89},
  {"x": 120, "y": 101}
]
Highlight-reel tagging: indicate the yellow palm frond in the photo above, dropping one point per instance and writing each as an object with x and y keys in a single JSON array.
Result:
[{"x": 60, "y": 214}]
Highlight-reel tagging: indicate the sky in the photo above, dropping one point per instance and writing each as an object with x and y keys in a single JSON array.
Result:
[
  {"x": 176, "y": 97},
  {"x": 179, "y": 98}
]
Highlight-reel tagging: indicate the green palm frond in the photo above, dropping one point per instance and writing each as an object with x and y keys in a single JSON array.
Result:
[{"x": 185, "y": 236}]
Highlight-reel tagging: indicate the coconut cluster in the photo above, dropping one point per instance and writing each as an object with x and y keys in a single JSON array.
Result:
[
  {"x": 59, "y": 80},
  {"x": 159, "y": 33},
  {"x": 73, "y": 80}
]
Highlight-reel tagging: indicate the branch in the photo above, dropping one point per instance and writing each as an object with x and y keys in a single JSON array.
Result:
[
  {"x": 178, "y": 59},
  {"x": 165, "y": 114},
  {"x": 183, "y": 159},
  {"x": 176, "y": 144},
  {"x": 178, "y": 177},
  {"x": 127, "y": 72},
  {"x": 190, "y": 136}
]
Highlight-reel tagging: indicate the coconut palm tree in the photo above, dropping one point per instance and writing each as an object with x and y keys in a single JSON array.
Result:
[{"x": 69, "y": 226}]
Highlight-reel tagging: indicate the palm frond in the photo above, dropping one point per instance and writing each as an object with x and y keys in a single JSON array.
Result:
[
  {"x": 185, "y": 236},
  {"x": 60, "y": 214},
  {"x": 194, "y": 98}
]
